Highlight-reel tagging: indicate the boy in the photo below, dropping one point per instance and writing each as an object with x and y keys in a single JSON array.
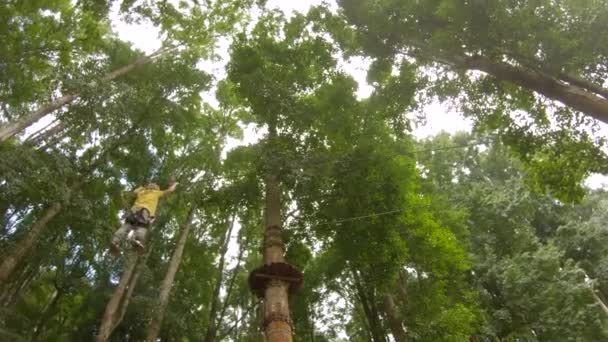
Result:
[{"x": 141, "y": 215}]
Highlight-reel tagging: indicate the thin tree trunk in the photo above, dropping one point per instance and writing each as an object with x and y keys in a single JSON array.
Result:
[
  {"x": 12, "y": 128},
  {"x": 167, "y": 284},
  {"x": 50, "y": 307},
  {"x": 23, "y": 276},
  {"x": 395, "y": 323},
  {"x": 212, "y": 327},
  {"x": 231, "y": 282},
  {"x": 108, "y": 321},
  {"x": 27, "y": 242},
  {"x": 401, "y": 289},
  {"x": 599, "y": 301},
  {"x": 44, "y": 136},
  {"x": 369, "y": 310},
  {"x": 126, "y": 299},
  {"x": 11, "y": 290},
  {"x": 36, "y": 134}
]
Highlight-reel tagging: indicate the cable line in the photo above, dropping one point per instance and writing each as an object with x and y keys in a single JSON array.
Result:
[{"x": 355, "y": 218}]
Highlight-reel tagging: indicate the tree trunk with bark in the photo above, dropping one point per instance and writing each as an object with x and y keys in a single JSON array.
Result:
[
  {"x": 45, "y": 136},
  {"x": 402, "y": 289},
  {"x": 368, "y": 303},
  {"x": 599, "y": 301},
  {"x": 167, "y": 284},
  {"x": 211, "y": 333},
  {"x": 124, "y": 305},
  {"x": 27, "y": 242},
  {"x": 47, "y": 313},
  {"x": 277, "y": 318},
  {"x": 110, "y": 316},
  {"x": 567, "y": 91},
  {"x": 10, "y": 129},
  {"x": 395, "y": 323},
  {"x": 231, "y": 282}
]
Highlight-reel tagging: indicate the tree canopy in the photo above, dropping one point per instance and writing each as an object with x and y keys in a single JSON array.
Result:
[{"x": 338, "y": 222}]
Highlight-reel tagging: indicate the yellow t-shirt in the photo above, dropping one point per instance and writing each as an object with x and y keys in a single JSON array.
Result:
[{"x": 148, "y": 199}]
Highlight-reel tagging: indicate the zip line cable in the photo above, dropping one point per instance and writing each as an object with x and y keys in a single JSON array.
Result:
[
  {"x": 355, "y": 218},
  {"x": 412, "y": 153}
]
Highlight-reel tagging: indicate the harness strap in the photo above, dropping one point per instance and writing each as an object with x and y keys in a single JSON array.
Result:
[{"x": 139, "y": 218}]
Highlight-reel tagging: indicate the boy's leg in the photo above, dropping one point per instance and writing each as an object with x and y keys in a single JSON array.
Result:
[
  {"x": 139, "y": 231},
  {"x": 118, "y": 236},
  {"x": 139, "y": 238}
]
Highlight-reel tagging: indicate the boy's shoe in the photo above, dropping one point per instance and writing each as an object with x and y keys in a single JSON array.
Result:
[
  {"x": 115, "y": 249},
  {"x": 138, "y": 245}
]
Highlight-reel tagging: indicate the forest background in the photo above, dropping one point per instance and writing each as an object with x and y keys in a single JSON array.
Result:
[{"x": 403, "y": 232}]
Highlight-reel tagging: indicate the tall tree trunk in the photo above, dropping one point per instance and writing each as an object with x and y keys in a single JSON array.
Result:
[
  {"x": 10, "y": 129},
  {"x": 23, "y": 276},
  {"x": 231, "y": 282},
  {"x": 395, "y": 323},
  {"x": 47, "y": 313},
  {"x": 140, "y": 264},
  {"x": 401, "y": 288},
  {"x": 27, "y": 242},
  {"x": 108, "y": 321},
  {"x": 572, "y": 95},
  {"x": 276, "y": 296},
  {"x": 578, "y": 94},
  {"x": 21, "y": 279},
  {"x": 126, "y": 299},
  {"x": 599, "y": 301},
  {"x": 167, "y": 284},
  {"x": 369, "y": 305},
  {"x": 212, "y": 327}
]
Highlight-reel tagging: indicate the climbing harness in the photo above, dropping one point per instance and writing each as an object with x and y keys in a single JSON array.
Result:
[{"x": 139, "y": 218}]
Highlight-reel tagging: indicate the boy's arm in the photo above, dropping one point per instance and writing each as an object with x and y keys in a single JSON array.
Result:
[
  {"x": 170, "y": 189},
  {"x": 138, "y": 190}
]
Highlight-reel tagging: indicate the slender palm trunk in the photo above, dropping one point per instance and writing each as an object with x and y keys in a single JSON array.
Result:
[
  {"x": 212, "y": 327},
  {"x": 12, "y": 128},
  {"x": 167, "y": 284}
]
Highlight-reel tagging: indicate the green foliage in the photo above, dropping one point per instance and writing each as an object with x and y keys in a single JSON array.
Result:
[
  {"x": 473, "y": 235},
  {"x": 556, "y": 40}
]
